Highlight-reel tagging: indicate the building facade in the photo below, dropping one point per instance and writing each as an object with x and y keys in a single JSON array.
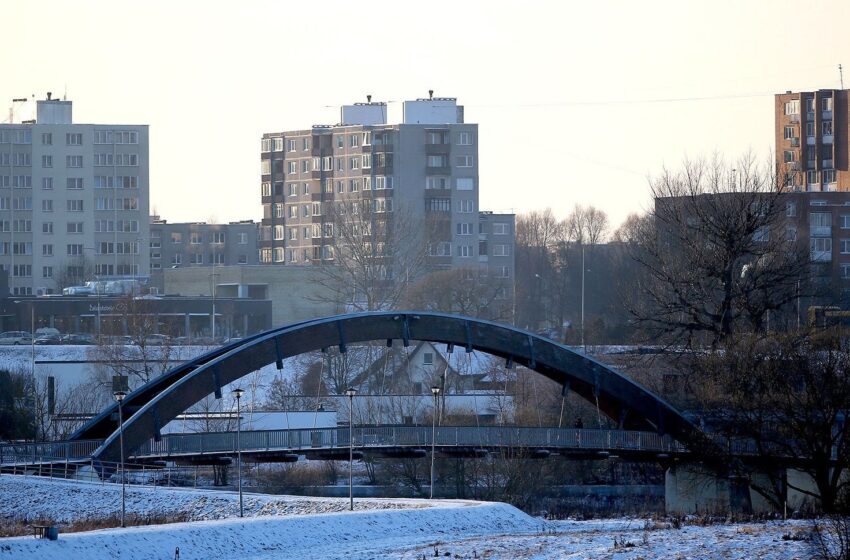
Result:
[
  {"x": 199, "y": 244},
  {"x": 74, "y": 200},
  {"x": 424, "y": 169},
  {"x": 812, "y": 150}
]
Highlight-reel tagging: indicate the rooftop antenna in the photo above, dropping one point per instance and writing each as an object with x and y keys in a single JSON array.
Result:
[{"x": 841, "y": 75}]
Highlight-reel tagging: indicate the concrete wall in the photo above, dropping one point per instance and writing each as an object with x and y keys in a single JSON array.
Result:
[{"x": 296, "y": 292}]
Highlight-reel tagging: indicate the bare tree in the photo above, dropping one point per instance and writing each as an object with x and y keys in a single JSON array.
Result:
[
  {"x": 537, "y": 235},
  {"x": 787, "y": 396},
  {"x": 376, "y": 248},
  {"x": 74, "y": 271},
  {"x": 713, "y": 252},
  {"x": 136, "y": 348},
  {"x": 469, "y": 291},
  {"x": 586, "y": 225}
]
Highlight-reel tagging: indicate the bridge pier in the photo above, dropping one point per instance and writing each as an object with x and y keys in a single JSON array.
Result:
[{"x": 694, "y": 488}]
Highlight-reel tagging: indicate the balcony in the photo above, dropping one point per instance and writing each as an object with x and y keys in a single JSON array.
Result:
[
  {"x": 810, "y": 140},
  {"x": 794, "y": 118},
  {"x": 826, "y": 115},
  {"x": 827, "y": 139},
  {"x": 828, "y": 164},
  {"x": 820, "y": 231},
  {"x": 437, "y": 149},
  {"x": 794, "y": 142},
  {"x": 793, "y": 165},
  {"x": 821, "y": 256}
]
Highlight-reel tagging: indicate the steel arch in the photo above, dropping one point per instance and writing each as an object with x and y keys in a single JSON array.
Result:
[{"x": 156, "y": 403}]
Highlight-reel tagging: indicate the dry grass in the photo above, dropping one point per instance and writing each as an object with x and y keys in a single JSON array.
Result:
[{"x": 22, "y": 527}]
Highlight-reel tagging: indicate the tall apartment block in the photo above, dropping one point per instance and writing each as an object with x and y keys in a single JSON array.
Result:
[
  {"x": 423, "y": 170},
  {"x": 812, "y": 149},
  {"x": 73, "y": 200},
  {"x": 199, "y": 244}
]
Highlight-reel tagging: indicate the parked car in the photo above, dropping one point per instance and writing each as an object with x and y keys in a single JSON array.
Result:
[
  {"x": 41, "y": 331},
  {"x": 15, "y": 337},
  {"x": 48, "y": 338},
  {"x": 156, "y": 339},
  {"x": 77, "y": 339}
]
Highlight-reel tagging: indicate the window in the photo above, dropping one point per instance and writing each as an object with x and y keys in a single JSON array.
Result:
[
  {"x": 305, "y": 144},
  {"x": 292, "y": 189},
  {"x": 810, "y": 104},
  {"x": 367, "y": 138},
  {"x": 74, "y": 250},
  {"x": 791, "y": 209},
  {"x": 75, "y": 227},
  {"x": 317, "y": 208},
  {"x": 266, "y": 189},
  {"x": 762, "y": 234},
  {"x": 47, "y": 183},
  {"x": 278, "y": 144},
  {"x": 305, "y": 211},
  {"x": 812, "y": 177},
  {"x": 74, "y": 139},
  {"x": 340, "y": 186},
  {"x": 291, "y": 168},
  {"x": 354, "y": 163},
  {"x": 845, "y": 271},
  {"x": 845, "y": 246},
  {"x": 504, "y": 272},
  {"x": 126, "y": 137},
  {"x": 176, "y": 259},
  {"x": 278, "y": 233},
  {"x": 354, "y": 140},
  {"x": 501, "y": 250},
  {"x": 74, "y": 183},
  {"x": 266, "y": 145},
  {"x": 47, "y": 161},
  {"x": 340, "y": 141},
  {"x": 74, "y": 205},
  {"x": 464, "y": 250},
  {"x": 791, "y": 233},
  {"x": 278, "y": 254},
  {"x": 438, "y": 205},
  {"x": 218, "y": 237},
  {"x": 438, "y": 161},
  {"x": 293, "y": 211},
  {"x": 127, "y": 182},
  {"x": 467, "y": 206},
  {"x": 176, "y": 237},
  {"x": 826, "y": 104},
  {"x": 465, "y": 183},
  {"x": 826, "y": 128},
  {"x": 367, "y": 183},
  {"x": 437, "y": 183},
  {"x": 340, "y": 164},
  {"x": 47, "y": 228},
  {"x": 820, "y": 219},
  {"x": 305, "y": 188},
  {"x": 290, "y": 145},
  {"x": 382, "y": 183},
  {"x": 265, "y": 167},
  {"x": 382, "y": 205},
  {"x": 73, "y": 161},
  {"x": 844, "y": 220},
  {"x": 292, "y": 234},
  {"x": 305, "y": 166},
  {"x": 243, "y": 238},
  {"x": 195, "y": 238},
  {"x": 821, "y": 249},
  {"x": 367, "y": 161},
  {"x": 427, "y": 358},
  {"x": 327, "y": 163},
  {"x": 47, "y": 206},
  {"x": 810, "y": 129},
  {"x": 329, "y": 186},
  {"x": 464, "y": 138},
  {"x": 828, "y": 176},
  {"x": 789, "y": 156},
  {"x": 464, "y": 229},
  {"x": 789, "y": 132},
  {"x": 792, "y": 107},
  {"x": 243, "y": 259},
  {"x": 47, "y": 272},
  {"x": 501, "y": 228},
  {"x": 47, "y": 139}
]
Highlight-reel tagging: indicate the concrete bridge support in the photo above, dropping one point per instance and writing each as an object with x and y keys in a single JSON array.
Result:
[{"x": 694, "y": 488}]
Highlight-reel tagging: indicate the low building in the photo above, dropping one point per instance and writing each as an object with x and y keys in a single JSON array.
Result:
[
  {"x": 199, "y": 244},
  {"x": 296, "y": 293}
]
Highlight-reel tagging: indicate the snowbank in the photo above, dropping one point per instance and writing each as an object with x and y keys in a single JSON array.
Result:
[{"x": 296, "y": 533}]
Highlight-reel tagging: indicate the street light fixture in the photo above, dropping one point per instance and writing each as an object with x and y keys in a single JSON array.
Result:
[
  {"x": 119, "y": 396},
  {"x": 350, "y": 392},
  {"x": 434, "y": 391},
  {"x": 238, "y": 394}
]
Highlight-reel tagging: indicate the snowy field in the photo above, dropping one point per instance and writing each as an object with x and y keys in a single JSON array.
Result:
[{"x": 293, "y": 527}]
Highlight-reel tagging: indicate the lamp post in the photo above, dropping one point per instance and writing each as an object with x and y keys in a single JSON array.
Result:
[
  {"x": 584, "y": 348},
  {"x": 350, "y": 392},
  {"x": 119, "y": 396},
  {"x": 434, "y": 391},
  {"x": 238, "y": 394}
]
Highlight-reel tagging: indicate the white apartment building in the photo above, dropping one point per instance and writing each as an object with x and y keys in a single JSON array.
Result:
[{"x": 74, "y": 200}]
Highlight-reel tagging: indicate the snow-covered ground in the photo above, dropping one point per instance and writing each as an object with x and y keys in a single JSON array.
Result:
[{"x": 293, "y": 527}]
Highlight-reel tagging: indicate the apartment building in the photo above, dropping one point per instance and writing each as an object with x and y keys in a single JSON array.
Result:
[
  {"x": 812, "y": 150},
  {"x": 74, "y": 200},
  {"x": 199, "y": 244},
  {"x": 423, "y": 170}
]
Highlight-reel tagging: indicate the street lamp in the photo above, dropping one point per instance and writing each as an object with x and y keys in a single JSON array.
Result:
[
  {"x": 238, "y": 394},
  {"x": 434, "y": 391},
  {"x": 584, "y": 348},
  {"x": 119, "y": 396},
  {"x": 350, "y": 392}
]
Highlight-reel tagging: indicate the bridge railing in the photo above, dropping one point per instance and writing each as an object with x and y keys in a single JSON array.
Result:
[
  {"x": 407, "y": 436},
  {"x": 47, "y": 451}
]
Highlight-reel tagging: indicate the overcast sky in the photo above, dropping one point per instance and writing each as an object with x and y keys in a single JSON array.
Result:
[{"x": 577, "y": 102}]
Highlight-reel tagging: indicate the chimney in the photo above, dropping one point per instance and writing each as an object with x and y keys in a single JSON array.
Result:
[
  {"x": 430, "y": 94},
  {"x": 49, "y": 95},
  {"x": 368, "y": 99}
]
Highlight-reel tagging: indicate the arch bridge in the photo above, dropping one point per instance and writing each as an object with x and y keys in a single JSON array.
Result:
[{"x": 151, "y": 406}]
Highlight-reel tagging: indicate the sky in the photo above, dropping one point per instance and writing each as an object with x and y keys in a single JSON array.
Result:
[{"x": 576, "y": 102}]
